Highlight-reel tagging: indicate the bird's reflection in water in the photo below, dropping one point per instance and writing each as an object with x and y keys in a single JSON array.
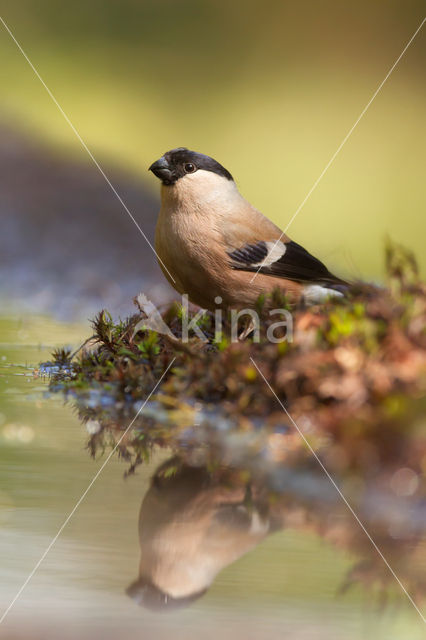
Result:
[
  {"x": 195, "y": 522},
  {"x": 192, "y": 525}
]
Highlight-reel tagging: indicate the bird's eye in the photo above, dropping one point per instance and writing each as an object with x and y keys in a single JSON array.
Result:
[{"x": 189, "y": 167}]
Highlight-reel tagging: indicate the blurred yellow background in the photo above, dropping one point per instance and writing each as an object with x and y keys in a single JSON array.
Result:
[{"x": 269, "y": 89}]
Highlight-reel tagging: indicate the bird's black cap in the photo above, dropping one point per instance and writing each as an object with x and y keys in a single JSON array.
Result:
[{"x": 179, "y": 162}]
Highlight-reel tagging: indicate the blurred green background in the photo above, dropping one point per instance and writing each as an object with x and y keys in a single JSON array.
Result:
[{"x": 268, "y": 88}]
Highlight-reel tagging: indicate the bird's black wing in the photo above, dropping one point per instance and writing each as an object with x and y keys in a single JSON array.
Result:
[{"x": 283, "y": 260}]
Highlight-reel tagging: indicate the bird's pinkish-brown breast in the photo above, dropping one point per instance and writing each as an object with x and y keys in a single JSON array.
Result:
[{"x": 202, "y": 219}]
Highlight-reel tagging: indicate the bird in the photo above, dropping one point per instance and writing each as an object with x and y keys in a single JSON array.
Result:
[
  {"x": 192, "y": 526},
  {"x": 217, "y": 248}
]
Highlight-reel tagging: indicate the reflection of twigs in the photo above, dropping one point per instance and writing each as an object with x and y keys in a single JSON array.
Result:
[{"x": 132, "y": 469}]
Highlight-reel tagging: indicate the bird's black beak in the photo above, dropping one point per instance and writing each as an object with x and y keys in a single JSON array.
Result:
[{"x": 161, "y": 169}]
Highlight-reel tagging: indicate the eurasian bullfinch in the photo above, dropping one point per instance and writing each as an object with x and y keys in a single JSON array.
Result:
[
  {"x": 217, "y": 248},
  {"x": 191, "y": 526}
]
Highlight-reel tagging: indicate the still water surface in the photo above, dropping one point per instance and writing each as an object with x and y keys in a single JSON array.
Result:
[{"x": 285, "y": 582}]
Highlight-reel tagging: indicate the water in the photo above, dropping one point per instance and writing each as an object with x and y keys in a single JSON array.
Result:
[{"x": 285, "y": 578}]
